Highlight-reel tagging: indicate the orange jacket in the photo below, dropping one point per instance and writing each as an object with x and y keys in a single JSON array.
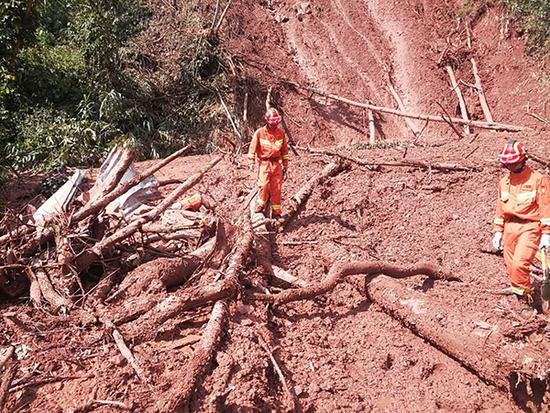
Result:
[
  {"x": 269, "y": 144},
  {"x": 525, "y": 195}
]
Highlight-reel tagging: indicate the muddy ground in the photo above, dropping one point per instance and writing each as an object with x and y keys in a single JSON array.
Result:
[{"x": 340, "y": 351}]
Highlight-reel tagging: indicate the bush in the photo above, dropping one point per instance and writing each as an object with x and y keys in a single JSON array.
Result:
[
  {"x": 534, "y": 19},
  {"x": 71, "y": 85}
]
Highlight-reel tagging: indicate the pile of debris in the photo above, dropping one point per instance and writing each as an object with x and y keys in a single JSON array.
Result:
[{"x": 91, "y": 233}]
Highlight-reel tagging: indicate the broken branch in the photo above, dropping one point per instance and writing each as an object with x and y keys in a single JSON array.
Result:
[
  {"x": 381, "y": 109},
  {"x": 339, "y": 271}
]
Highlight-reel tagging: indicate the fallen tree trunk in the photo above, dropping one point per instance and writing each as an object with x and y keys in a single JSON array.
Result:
[
  {"x": 339, "y": 271},
  {"x": 432, "y": 118},
  {"x": 403, "y": 163},
  {"x": 162, "y": 273},
  {"x": 178, "y": 397},
  {"x": 145, "y": 327},
  {"x": 299, "y": 200},
  {"x": 517, "y": 367},
  {"x": 85, "y": 259}
]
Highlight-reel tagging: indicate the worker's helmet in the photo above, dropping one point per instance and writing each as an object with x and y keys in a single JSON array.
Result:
[
  {"x": 513, "y": 152},
  {"x": 272, "y": 117}
]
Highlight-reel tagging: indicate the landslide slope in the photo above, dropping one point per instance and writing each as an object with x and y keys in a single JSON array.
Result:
[{"x": 341, "y": 352}]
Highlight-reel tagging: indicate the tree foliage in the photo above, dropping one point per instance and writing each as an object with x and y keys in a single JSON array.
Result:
[
  {"x": 67, "y": 93},
  {"x": 534, "y": 19}
]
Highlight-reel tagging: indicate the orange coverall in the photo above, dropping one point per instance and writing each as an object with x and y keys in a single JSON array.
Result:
[
  {"x": 522, "y": 214},
  {"x": 268, "y": 148}
]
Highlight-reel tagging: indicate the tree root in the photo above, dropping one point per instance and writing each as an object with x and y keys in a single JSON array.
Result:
[{"x": 339, "y": 271}]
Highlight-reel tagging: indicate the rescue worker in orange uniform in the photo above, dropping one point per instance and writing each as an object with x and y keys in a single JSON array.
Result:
[
  {"x": 522, "y": 219},
  {"x": 269, "y": 148}
]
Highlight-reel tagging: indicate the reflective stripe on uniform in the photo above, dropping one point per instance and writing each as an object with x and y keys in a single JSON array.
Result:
[
  {"x": 499, "y": 221},
  {"x": 285, "y": 157},
  {"x": 275, "y": 207},
  {"x": 524, "y": 196},
  {"x": 519, "y": 291},
  {"x": 265, "y": 142}
]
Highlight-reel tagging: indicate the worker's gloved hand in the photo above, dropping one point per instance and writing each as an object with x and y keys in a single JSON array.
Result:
[
  {"x": 497, "y": 240},
  {"x": 544, "y": 241}
]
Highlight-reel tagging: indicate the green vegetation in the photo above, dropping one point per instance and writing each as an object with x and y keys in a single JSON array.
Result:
[
  {"x": 534, "y": 18},
  {"x": 71, "y": 83}
]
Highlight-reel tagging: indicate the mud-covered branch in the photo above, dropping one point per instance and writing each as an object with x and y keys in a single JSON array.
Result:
[
  {"x": 436, "y": 166},
  {"x": 340, "y": 271}
]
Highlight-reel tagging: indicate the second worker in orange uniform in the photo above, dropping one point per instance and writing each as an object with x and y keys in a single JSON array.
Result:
[
  {"x": 522, "y": 219},
  {"x": 269, "y": 148}
]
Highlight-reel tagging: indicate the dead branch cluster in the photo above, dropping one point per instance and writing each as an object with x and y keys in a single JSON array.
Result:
[{"x": 90, "y": 232}]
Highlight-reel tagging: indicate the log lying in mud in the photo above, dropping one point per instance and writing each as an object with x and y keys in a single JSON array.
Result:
[
  {"x": 299, "y": 200},
  {"x": 432, "y": 118},
  {"x": 179, "y": 396},
  {"x": 339, "y": 271},
  {"x": 518, "y": 367}
]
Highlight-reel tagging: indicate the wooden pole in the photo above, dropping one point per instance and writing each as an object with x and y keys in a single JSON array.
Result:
[
  {"x": 372, "y": 129},
  {"x": 481, "y": 93},
  {"x": 432, "y": 118},
  {"x": 411, "y": 125},
  {"x": 461, "y": 102}
]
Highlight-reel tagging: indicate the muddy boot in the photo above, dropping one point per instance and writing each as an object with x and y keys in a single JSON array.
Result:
[
  {"x": 259, "y": 208},
  {"x": 523, "y": 307}
]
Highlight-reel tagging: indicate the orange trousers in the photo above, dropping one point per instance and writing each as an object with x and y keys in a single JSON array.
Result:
[
  {"x": 270, "y": 181},
  {"x": 520, "y": 241}
]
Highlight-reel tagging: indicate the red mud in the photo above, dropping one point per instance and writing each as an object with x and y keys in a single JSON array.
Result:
[{"x": 338, "y": 352}]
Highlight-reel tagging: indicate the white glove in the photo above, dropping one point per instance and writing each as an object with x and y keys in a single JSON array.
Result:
[
  {"x": 497, "y": 240},
  {"x": 544, "y": 241}
]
